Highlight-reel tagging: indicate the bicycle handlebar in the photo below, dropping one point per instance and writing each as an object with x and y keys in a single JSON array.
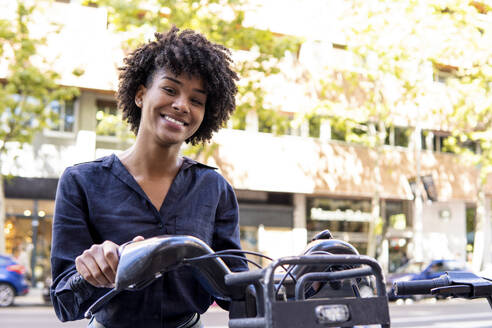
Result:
[
  {"x": 451, "y": 284},
  {"x": 254, "y": 295},
  {"x": 419, "y": 287}
]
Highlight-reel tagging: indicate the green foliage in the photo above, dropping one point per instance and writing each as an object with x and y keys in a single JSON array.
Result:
[
  {"x": 397, "y": 44},
  {"x": 471, "y": 118},
  {"x": 200, "y": 151},
  {"x": 27, "y": 90},
  {"x": 393, "y": 47},
  {"x": 112, "y": 125},
  {"x": 221, "y": 21}
]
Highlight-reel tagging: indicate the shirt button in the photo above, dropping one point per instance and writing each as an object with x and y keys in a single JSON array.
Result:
[{"x": 160, "y": 225}]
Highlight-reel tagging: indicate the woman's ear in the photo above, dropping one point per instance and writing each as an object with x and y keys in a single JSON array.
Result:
[{"x": 139, "y": 96}]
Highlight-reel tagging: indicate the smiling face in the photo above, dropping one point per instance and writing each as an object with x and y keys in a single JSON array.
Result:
[{"x": 172, "y": 107}]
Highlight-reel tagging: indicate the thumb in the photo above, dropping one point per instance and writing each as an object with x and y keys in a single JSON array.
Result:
[{"x": 138, "y": 238}]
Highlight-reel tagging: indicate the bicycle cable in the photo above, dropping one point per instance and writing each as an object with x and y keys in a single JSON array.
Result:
[
  {"x": 254, "y": 253},
  {"x": 291, "y": 267},
  {"x": 223, "y": 253}
]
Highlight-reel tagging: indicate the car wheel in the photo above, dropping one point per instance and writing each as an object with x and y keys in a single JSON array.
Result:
[{"x": 7, "y": 295}]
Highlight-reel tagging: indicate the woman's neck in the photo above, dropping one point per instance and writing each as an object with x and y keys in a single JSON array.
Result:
[{"x": 151, "y": 160}]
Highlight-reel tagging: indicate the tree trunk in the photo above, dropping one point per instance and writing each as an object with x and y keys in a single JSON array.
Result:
[
  {"x": 418, "y": 238},
  {"x": 376, "y": 200}
]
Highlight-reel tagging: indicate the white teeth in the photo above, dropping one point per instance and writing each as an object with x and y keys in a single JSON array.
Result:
[{"x": 173, "y": 120}]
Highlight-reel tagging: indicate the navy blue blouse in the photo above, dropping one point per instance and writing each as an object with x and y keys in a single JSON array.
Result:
[{"x": 100, "y": 200}]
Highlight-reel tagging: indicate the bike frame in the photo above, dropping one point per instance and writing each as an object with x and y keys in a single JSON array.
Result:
[{"x": 331, "y": 269}]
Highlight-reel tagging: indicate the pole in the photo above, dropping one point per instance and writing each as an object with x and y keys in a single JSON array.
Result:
[
  {"x": 35, "y": 228},
  {"x": 418, "y": 253}
]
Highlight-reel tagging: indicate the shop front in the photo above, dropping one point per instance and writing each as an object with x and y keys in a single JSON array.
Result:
[
  {"x": 29, "y": 209},
  {"x": 267, "y": 227},
  {"x": 347, "y": 219},
  {"x": 398, "y": 231}
]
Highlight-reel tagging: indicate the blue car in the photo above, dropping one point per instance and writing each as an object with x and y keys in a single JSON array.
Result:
[
  {"x": 12, "y": 280},
  {"x": 419, "y": 271}
]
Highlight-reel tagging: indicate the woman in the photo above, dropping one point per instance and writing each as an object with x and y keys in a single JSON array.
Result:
[{"x": 179, "y": 88}]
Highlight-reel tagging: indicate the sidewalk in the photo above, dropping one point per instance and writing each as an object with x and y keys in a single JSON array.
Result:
[{"x": 32, "y": 298}]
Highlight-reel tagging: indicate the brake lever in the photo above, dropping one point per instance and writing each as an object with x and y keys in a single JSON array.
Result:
[
  {"x": 454, "y": 290},
  {"x": 102, "y": 301}
]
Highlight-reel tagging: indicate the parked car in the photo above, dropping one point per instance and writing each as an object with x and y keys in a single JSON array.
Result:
[
  {"x": 12, "y": 280},
  {"x": 421, "y": 270}
]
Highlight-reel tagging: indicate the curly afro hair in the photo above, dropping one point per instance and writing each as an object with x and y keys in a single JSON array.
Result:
[{"x": 185, "y": 52}]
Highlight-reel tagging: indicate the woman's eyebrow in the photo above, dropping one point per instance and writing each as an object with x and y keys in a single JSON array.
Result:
[
  {"x": 172, "y": 79},
  {"x": 181, "y": 83}
]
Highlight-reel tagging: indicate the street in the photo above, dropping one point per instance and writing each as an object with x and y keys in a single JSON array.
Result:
[
  {"x": 29, "y": 312},
  {"x": 443, "y": 314}
]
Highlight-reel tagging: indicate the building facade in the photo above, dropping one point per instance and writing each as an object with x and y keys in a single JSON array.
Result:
[{"x": 289, "y": 187}]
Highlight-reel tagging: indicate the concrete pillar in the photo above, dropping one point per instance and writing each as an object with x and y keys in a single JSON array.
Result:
[
  {"x": 304, "y": 128},
  {"x": 299, "y": 233},
  {"x": 325, "y": 130},
  {"x": 252, "y": 121},
  {"x": 262, "y": 247},
  {"x": 86, "y": 146}
]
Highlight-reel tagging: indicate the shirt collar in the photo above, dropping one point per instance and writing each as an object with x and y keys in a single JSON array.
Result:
[
  {"x": 187, "y": 162},
  {"x": 107, "y": 161}
]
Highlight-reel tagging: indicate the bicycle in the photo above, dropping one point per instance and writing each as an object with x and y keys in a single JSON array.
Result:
[{"x": 320, "y": 288}]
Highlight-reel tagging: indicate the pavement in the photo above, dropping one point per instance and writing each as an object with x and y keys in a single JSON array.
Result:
[{"x": 33, "y": 298}]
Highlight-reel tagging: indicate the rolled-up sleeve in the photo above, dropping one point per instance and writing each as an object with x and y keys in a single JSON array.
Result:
[{"x": 70, "y": 294}]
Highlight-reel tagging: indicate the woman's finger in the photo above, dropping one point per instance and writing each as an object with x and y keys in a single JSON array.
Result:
[
  {"x": 104, "y": 266},
  {"x": 95, "y": 270},
  {"x": 138, "y": 238},
  {"x": 85, "y": 272},
  {"x": 110, "y": 253}
]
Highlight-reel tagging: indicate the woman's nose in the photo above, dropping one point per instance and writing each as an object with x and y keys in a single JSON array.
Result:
[{"x": 181, "y": 104}]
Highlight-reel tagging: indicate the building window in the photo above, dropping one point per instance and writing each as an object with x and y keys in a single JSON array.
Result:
[
  {"x": 65, "y": 112},
  {"x": 435, "y": 141},
  {"x": 442, "y": 73},
  {"x": 249, "y": 242},
  {"x": 398, "y": 136},
  {"x": 106, "y": 117}
]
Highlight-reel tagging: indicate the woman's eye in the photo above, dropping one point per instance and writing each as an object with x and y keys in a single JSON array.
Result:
[
  {"x": 169, "y": 90},
  {"x": 197, "y": 102}
]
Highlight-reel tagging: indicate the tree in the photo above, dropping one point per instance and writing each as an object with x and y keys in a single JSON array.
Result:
[
  {"x": 470, "y": 89},
  {"x": 25, "y": 92},
  {"x": 222, "y": 21},
  {"x": 365, "y": 101},
  {"x": 395, "y": 47}
]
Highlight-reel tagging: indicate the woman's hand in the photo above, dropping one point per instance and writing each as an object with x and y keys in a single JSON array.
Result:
[{"x": 97, "y": 265}]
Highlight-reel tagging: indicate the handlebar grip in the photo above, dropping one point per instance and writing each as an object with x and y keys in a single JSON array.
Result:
[{"x": 419, "y": 286}]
